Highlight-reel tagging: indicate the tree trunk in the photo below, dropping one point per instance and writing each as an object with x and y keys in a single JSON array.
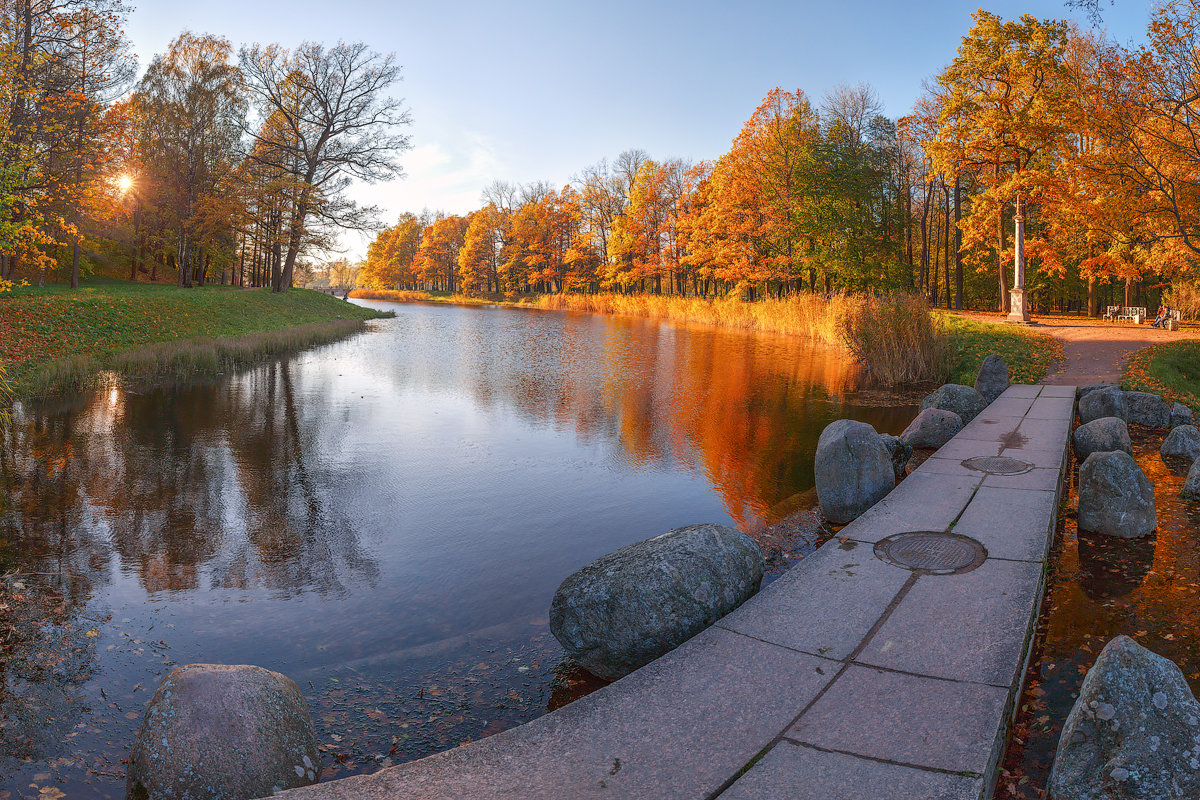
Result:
[{"x": 958, "y": 270}]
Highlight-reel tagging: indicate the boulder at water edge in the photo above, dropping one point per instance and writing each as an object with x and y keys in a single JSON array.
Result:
[
  {"x": 962, "y": 400},
  {"x": 1191, "y": 486},
  {"x": 631, "y": 606},
  {"x": 1181, "y": 442},
  {"x": 1102, "y": 436},
  {"x": 1115, "y": 496},
  {"x": 853, "y": 470},
  {"x": 1107, "y": 401},
  {"x": 993, "y": 378},
  {"x": 218, "y": 732},
  {"x": 1134, "y": 732},
  {"x": 932, "y": 428},
  {"x": 1150, "y": 410},
  {"x": 1180, "y": 415},
  {"x": 899, "y": 451}
]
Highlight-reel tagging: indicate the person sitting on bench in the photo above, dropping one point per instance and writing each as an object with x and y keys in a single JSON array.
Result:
[{"x": 1160, "y": 320}]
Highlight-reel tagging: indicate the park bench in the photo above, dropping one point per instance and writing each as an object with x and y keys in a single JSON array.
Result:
[
  {"x": 1111, "y": 313},
  {"x": 1135, "y": 314}
]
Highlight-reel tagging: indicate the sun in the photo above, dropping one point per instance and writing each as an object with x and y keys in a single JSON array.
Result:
[{"x": 124, "y": 183}]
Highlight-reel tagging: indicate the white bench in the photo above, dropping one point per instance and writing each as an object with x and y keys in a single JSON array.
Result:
[
  {"x": 1111, "y": 313},
  {"x": 1135, "y": 314}
]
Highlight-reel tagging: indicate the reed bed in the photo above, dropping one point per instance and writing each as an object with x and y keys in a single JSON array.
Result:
[
  {"x": 188, "y": 358},
  {"x": 896, "y": 338},
  {"x": 391, "y": 295}
]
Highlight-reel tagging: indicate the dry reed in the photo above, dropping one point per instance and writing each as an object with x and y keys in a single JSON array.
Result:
[{"x": 391, "y": 295}]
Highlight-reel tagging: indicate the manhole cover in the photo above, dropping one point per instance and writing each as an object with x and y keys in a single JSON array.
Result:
[
  {"x": 998, "y": 465},
  {"x": 932, "y": 552}
]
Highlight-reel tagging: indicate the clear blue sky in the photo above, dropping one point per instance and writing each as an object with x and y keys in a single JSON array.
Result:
[{"x": 537, "y": 90}]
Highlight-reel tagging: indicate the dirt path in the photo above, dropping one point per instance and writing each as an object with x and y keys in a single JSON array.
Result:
[{"x": 1095, "y": 351}]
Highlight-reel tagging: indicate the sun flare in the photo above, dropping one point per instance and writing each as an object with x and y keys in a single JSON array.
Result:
[{"x": 125, "y": 183}]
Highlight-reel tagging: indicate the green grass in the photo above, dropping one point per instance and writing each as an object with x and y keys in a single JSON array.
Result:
[
  {"x": 55, "y": 339},
  {"x": 1027, "y": 352},
  {"x": 1171, "y": 369}
]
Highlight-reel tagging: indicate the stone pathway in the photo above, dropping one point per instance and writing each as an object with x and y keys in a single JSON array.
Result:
[{"x": 848, "y": 676}]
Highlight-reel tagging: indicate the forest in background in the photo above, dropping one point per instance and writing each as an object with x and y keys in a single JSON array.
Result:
[
  {"x": 1094, "y": 143},
  {"x": 215, "y": 166}
]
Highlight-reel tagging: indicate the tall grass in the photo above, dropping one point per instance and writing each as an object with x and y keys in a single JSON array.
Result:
[
  {"x": 1185, "y": 298},
  {"x": 187, "y": 358},
  {"x": 390, "y": 295},
  {"x": 897, "y": 340}
]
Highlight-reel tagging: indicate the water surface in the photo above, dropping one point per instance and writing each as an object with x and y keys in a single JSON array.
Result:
[{"x": 384, "y": 520}]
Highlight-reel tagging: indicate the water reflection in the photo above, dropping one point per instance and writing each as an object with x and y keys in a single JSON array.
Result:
[
  {"x": 1110, "y": 567},
  {"x": 385, "y": 519}
]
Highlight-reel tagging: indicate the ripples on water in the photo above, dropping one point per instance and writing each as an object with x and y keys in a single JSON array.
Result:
[{"x": 384, "y": 520}]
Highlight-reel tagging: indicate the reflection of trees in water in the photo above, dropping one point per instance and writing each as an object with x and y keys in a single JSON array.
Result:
[
  {"x": 744, "y": 408},
  {"x": 177, "y": 482}
]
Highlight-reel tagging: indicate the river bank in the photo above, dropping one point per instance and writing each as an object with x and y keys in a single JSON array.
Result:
[
  {"x": 968, "y": 340},
  {"x": 54, "y": 339}
]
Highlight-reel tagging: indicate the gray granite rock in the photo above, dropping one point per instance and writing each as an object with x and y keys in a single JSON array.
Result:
[
  {"x": 631, "y": 606},
  {"x": 853, "y": 470},
  {"x": 993, "y": 378},
  {"x": 1191, "y": 485},
  {"x": 899, "y": 451},
  {"x": 1115, "y": 496},
  {"x": 932, "y": 428},
  {"x": 1102, "y": 436},
  {"x": 219, "y": 732},
  {"x": 1181, "y": 442},
  {"x": 1180, "y": 415},
  {"x": 1105, "y": 401},
  {"x": 1150, "y": 410},
  {"x": 962, "y": 400},
  {"x": 1082, "y": 390},
  {"x": 1133, "y": 734}
]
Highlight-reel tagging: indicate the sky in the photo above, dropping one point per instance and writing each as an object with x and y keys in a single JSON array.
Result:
[{"x": 525, "y": 91}]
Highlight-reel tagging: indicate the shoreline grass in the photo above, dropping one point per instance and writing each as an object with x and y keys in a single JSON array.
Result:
[
  {"x": 1028, "y": 353},
  {"x": 1171, "y": 369},
  {"x": 54, "y": 340}
]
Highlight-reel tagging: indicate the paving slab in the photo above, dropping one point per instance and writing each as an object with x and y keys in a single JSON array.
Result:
[
  {"x": 1051, "y": 407},
  {"x": 1046, "y": 480},
  {"x": 947, "y": 466},
  {"x": 825, "y": 605},
  {"x": 911, "y": 719},
  {"x": 922, "y": 502},
  {"x": 1049, "y": 390},
  {"x": 967, "y": 627},
  {"x": 1045, "y": 434},
  {"x": 967, "y": 448},
  {"x": 679, "y": 727},
  {"x": 1013, "y": 524},
  {"x": 1022, "y": 390},
  {"x": 796, "y": 772},
  {"x": 1052, "y": 458},
  {"x": 1010, "y": 406},
  {"x": 989, "y": 429}
]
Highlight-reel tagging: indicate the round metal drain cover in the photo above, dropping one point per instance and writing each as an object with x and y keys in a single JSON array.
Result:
[
  {"x": 998, "y": 465},
  {"x": 932, "y": 552}
]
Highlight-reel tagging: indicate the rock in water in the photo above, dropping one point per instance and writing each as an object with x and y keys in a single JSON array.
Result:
[
  {"x": 1102, "y": 436},
  {"x": 853, "y": 470},
  {"x": 1181, "y": 442},
  {"x": 993, "y": 378},
  {"x": 1191, "y": 486},
  {"x": 218, "y": 732},
  {"x": 1180, "y": 415},
  {"x": 962, "y": 400},
  {"x": 899, "y": 451},
  {"x": 932, "y": 428},
  {"x": 1115, "y": 496},
  {"x": 1143, "y": 408},
  {"x": 631, "y": 606},
  {"x": 1107, "y": 401},
  {"x": 1133, "y": 734}
]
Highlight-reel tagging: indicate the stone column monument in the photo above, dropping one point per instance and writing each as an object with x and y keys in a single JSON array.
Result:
[{"x": 1018, "y": 306}]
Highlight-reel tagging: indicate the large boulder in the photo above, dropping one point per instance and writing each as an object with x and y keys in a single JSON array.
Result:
[
  {"x": 1115, "y": 496},
  {"x": 853, "y": 470},
  {"x": 1082, "y": 390},
  {"x": 993, "y": 378},
  {"x": 899, "y": 451},
  {"x": 1133, "y": 734},
  {"x": 1102, "y": 436},
  {"x": 1106, "y": 401},
  {"x": 932, "y": 428},
  {"x": 1181, "y": 442},
  {"x": 1191, "y": 485},
  {"x": 1150, "y": 410},
  {"x": 1180, "y": 415},
  {"x": 631, "y": 606},
  {"x": 962, "y": 400},
  {"x": 219, "y": 732}
]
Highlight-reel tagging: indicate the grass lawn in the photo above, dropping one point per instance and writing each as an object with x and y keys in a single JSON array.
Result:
[
  {"x": 1027, "y": 352},
  {"x": 41, "y": 330},
  {"x": 1171, "y": 369}
]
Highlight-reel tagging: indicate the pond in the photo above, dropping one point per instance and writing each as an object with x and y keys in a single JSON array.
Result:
[{"x": 384, "y": 520}]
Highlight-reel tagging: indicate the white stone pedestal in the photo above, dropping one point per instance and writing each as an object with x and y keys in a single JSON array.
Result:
[{"x": 1019, "y": 312}]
